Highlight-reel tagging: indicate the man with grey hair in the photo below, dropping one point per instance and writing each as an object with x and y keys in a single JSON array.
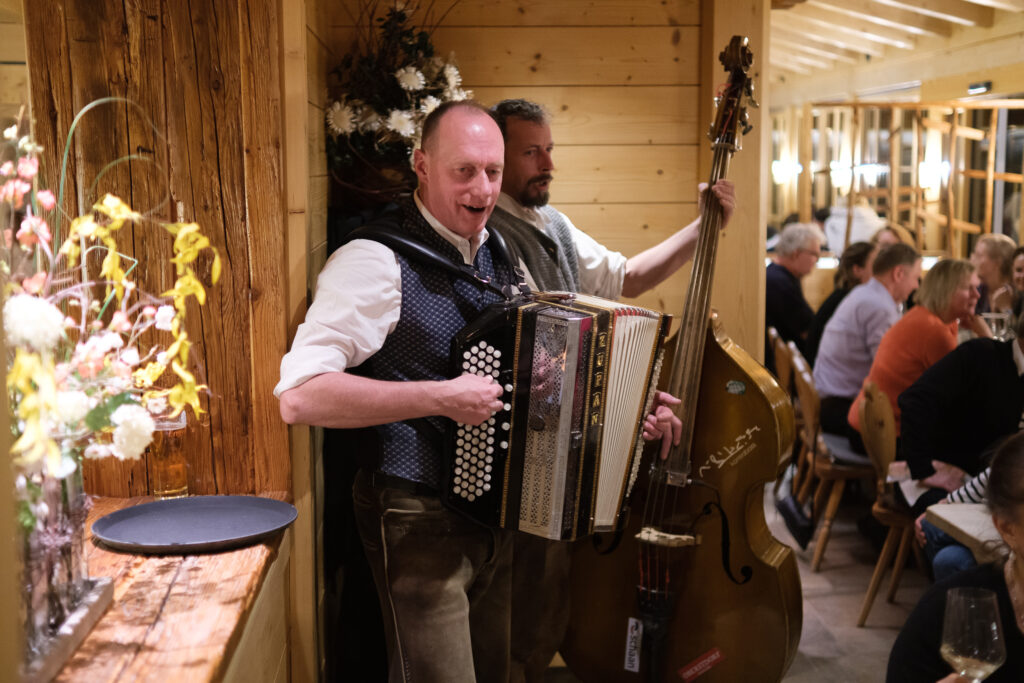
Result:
[
  {"x": 555, "y": 255},
  {"x": 786, "y": 309}
]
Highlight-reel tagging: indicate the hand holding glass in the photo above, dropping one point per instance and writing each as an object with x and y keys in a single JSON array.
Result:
[{"x": 972, "y": 638}]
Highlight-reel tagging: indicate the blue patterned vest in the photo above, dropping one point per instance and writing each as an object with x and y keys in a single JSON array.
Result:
[{"x": 435, "y": 306}]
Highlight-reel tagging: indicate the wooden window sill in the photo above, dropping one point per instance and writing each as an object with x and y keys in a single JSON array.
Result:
[{"x": 218, "y": 616}]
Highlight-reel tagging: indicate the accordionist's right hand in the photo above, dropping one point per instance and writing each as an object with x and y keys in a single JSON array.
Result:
[{"x": 470, "y": 399}]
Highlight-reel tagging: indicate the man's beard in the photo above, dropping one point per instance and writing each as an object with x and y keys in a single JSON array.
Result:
[{"x": 535, "y": 199}]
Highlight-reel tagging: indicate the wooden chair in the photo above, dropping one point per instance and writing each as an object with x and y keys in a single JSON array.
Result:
[
  {"x": 831, "y": 460},
  {"x": 878, "y": 429},
  {"x": 784, "y": 373}
]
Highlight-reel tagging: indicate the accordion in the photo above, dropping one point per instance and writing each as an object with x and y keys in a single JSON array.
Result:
[{"x": 578, "y": 375}]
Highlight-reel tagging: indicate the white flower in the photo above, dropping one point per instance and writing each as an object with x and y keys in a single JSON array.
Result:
[
  {"x": 32, "y": 321},
  {"x": 410, "y": 78},
  {"x": 457, "y": 94},
  {"x": 39, "y": 509},
  {"x": 452, "y": 75},
  {"x": 72, "y": 406},
  {"x": 340, "y": 119},
  {"x": 97, "y": 451},
  {"x": 133, "y": 431},
  {"x": 157, "y": 405},
  {"x": 130, "y": 356},
  {"x": 11, "y": 133},
  {"x": 369, "y": 121},
  {"x": 103, "y": 343},
  {"x": 164, "y": 316},
  {"x": 429, "y": 104},
  {"x": 401, "y": 122},
  {"x": 62, "y": 468}
]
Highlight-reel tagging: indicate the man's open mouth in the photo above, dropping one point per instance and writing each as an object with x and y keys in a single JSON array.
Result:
[{"x": 475, "y": 209}]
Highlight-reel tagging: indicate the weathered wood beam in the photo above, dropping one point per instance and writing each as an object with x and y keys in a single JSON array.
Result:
[
  {"x": 800, "y": 58},
  {"x": 778, "y": 62},
  {"x": 957, "y": 11},
  {"x": 1009, "y": 5},
  {"x": 912, "y": 22},
  {"x": 840, "y": 21}
]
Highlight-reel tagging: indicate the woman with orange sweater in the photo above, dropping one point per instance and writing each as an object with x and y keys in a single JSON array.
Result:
[{"x": 946, "y": 299}]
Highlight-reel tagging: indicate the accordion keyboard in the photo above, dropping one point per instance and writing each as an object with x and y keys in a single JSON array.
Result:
[{"x": 475, "y": 445}]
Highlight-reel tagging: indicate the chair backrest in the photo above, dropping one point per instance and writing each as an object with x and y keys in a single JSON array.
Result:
[
  {"x": 783, "y": 361},
  {"x": 878, "y": 430},
  {"x": 810, "y": 403}
]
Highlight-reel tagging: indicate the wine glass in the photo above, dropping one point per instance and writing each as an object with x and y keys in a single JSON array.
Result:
[
  {"x": 972, "y": 638},
  {"x": 999, "y": 323}
]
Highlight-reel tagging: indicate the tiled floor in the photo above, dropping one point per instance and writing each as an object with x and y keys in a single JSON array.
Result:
[{"x": 832, "y": 649}]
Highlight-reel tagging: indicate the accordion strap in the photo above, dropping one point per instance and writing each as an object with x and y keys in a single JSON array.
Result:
[{"x": 392, "y": 236}]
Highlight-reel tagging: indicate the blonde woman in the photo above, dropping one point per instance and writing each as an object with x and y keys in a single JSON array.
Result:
[
  {"x": 946, "y": 299},
  {"x": 993, "y": 259}
]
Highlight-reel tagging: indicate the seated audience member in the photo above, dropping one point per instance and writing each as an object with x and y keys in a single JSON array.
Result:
[
  {"x": 853, "y": 334},
  {"x": 786, "y": 309},
  {"x": 854, "y": 269},
  {"x": 945, "y": 554},
  {"x": 886, "y": 236},
  {"x": 993, "y": 259},
  {"x": 865, "y": 223},
  {"x": 955, "y": 412},
  {"x": 1017, "y": 305},
  {"x": 926, "y": 333},
  {"x": 915, "y": 655}
]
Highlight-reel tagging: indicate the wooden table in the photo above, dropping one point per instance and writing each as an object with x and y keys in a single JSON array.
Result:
[
  {"x": 970, "y": 524},
  {"x": 220, "y": 616}
]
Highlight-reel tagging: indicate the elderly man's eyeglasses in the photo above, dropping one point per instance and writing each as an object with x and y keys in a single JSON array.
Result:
[{"x": 815, "y": 253}]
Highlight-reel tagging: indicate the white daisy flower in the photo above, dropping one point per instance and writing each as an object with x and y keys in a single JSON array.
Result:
[
  {"x": 340, "y": 119},
  {"x": 452, "y": 75},
  {"x": 164, "y": 316},
  {"x": 410, "y": 78},
  {"x": 401, "y": 122},
  {"x": 72, "y": 406},
  {"x": 429, "y": 104}
]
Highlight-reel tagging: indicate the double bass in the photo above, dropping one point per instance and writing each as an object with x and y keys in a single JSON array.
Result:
[{"x": 695, "y": 587}]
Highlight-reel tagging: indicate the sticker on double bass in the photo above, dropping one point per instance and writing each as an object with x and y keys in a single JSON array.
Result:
[
  {"x": 701, "y": 665},
  {"x": 634, "y": 643}
]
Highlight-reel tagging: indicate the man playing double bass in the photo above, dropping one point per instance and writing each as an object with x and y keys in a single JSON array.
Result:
[{"x": 557, "y": 256}]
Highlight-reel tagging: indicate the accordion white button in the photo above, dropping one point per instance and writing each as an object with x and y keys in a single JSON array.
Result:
[
  {"x": 507, "y": 406},
  {"x": 487, "y": 487},
  {"x": 497, "y": 353},
  {"x": 508, "y": 387},
  {"x": 504, "y": 445},
  {"x": 487, "y": 477},
  {"x": 505, "y": 426},
  {"x": 488, "y": 468}
]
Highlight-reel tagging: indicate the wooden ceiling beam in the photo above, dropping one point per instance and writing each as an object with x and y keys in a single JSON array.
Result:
[
  {"x": 797, "y": 44},
  {"x": 816, "y": 32},
  {"x": 1009, "y": 5},
  {"x": 911, "y": 22},
  {"x": 957, "y": 11},
  {"x": 780, "y": 63},
  {"x": 805, "y": 59},
  {"x": 830, "y": 18}
]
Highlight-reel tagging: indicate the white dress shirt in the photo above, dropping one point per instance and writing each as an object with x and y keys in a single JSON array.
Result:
[{"x": 356, "y": 306}]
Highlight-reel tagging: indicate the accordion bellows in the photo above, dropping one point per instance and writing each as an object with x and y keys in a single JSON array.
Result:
[{"x": 578, "y": 374}]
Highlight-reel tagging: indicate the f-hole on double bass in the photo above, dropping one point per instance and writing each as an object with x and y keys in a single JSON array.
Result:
[{"x": 696, "y": 587}]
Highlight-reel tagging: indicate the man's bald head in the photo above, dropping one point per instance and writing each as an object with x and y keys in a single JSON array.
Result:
[{"x": 433, "y": 121}]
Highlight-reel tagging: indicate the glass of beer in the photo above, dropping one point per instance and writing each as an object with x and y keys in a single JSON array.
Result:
[{"x": 168, "y": 471}]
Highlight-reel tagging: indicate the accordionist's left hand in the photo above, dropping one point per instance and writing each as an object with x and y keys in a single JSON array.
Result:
[{"x": 663, "y": 424}]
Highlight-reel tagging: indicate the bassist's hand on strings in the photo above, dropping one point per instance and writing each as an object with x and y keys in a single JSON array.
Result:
[
  {"x": 663, "y": 424},
  {"x": 725, "y": 192}
]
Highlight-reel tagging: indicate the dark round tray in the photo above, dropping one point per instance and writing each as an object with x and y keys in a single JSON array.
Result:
[{"x": 196, "y": 524}]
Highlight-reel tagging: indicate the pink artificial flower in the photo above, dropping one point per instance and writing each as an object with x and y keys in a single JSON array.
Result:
[
  {"x": 62, "y": 372},
  {"x": 34, "y": 284},
  {"x": 46, "y": 200},
  {"x": 120, "y": 369},
  {"x": 97, "y": 324},
  {"x": 90, "y": 367},
  {"x": 7, "y": 169},
  {"x": 119, "y": 322},
  {"x": 149, "y": 311},
  {"x": 28, "y": 167},
  {"x": 13, "y": 191},
  {"x": 33, "y": 228}
]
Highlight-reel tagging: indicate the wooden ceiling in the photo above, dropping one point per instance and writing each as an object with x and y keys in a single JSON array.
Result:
[{"x": 808, "y": 36}]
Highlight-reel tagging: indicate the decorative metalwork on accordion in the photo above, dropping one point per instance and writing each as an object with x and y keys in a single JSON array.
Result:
[{"x": 577, "y": 374}]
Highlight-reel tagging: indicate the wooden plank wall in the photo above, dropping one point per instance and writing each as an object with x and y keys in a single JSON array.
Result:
[
  {"x": 622, "y": 82},
  {"x": 13, "y": 71},
  {"x": 206, "y": 76}
]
